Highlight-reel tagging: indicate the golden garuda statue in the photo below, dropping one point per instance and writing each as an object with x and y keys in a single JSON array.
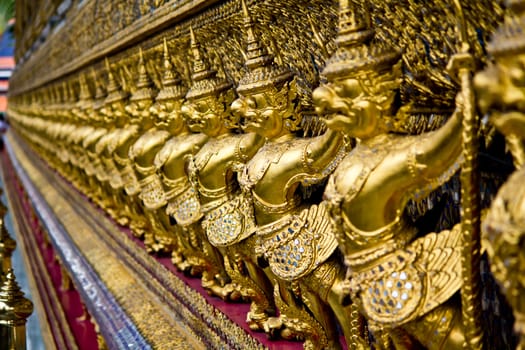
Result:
[{"x": 325, "y": 164}]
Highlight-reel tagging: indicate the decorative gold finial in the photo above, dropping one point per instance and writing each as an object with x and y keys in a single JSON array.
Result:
[
  {"x": 10, "y": 289},
  {"x": 115, "y": 92},
  {"x": 100, "y": 94},
  {"x": 15, "y": 307},
  {"x": 169, "y": 77},
  {"x": 85, "y": 93},
  {"x": 15, "y": 311},
  {"x": 99, "y": 91},
  {"x": 201, "y": 67},
  {"x": 262, "y": 70},
  {"x": 257, "y": 54},
  {"x": 172, "y": 87},
  {"x": 85, "y": 98},
  {"x": 112, "y": 82},
  {"x": 509, "y": 38},
  {"x": 353, "y": 29},
  {"x": 145, "y": 88},
  {"x": 144, "y": 79},
  {"x": 356, "y": 51},
  {"x": 205, "y": 80}
]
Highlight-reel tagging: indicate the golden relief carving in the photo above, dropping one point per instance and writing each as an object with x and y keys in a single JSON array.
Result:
[{"x": 294, "y": 170}]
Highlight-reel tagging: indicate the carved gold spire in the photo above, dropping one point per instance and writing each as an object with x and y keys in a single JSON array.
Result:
[
  {"x": 15, "y": 307},
  {"x": 509, "y": 38},
  {"x": 257, "y": 54},
  {"x": 85, "y": 97},
  {"x": 99, "y": 91},
  {"x": 85, "y": 93},
  {"x": 205, "y": 80},
  {"x": 169, "y": 77},
  {"x": 10, "y": 289},
  {"x": 145, "y": 88},
  {"x": 172, "y": 87},
  {"x": 262, "y": 70},
  {"x": 100, "y": 94},
  {"x": 201, "y": 67},
  {"x": 112, "y": 83},
  {"x": 352, "y": 28},
  {"x": 356, "y": 51},
  {"x": 144, "y": 80},
  {"x": 115, "y": 92}
]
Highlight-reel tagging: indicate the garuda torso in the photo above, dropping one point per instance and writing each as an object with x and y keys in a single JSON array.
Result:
[
  {"x": 119, "y": 145},
  {"x": 143, "y": 151},
  {"x": 142, "y": 155},
  {"x": 295, "y": 238},
  {"x": 103, "y": 163},
  {"x": 212, "y": 172},
  {"x": 78, "y": 151},
  {"x": 170, "y": 162},
  {"x": 89, "y": 144},
  {"x": 395, "y": 277}
]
